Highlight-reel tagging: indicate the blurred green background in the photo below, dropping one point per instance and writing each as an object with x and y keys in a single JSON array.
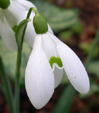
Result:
[{"x": 75, "y": 22}]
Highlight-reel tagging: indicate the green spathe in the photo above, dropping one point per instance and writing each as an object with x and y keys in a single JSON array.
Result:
[
  {"x": 14, "y": 28},
  {"x": 56, "y": 60},
  {"x": 4, "y": 4},
  {"x": 40, "y": 24}
]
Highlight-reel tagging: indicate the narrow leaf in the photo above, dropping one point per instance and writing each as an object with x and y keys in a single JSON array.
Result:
[
  {"x": 65, "y": 101},
  {"x": 9, "y": 59},
  {"x": 7, "y": 86}
]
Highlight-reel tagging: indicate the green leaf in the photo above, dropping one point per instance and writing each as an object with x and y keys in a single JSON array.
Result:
[
  {"x": 58, "y": 18},
  {"x": 65, "y": 101},
  {"x": 86, "y": 47},
  {"x": 77, "y": 28},
  {"x": 94, "y": 68},
  {"x": 9, "y": 59},
  {"x": 94, "y": 87},
  {"x": 65, "y": 35},
  {"x": 65, "y": 79}
]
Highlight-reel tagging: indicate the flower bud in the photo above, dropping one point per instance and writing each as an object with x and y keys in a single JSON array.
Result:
[{"x": 40, "y": 24}]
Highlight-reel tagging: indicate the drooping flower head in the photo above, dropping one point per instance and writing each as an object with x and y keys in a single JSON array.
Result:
[
  {"x": 45, "y": 66},
  {"x": 11, "y": 14}
]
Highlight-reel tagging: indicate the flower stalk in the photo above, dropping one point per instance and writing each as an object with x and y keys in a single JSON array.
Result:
[
  {"x": 17, "y": 82},
  {"x": 18, "y": 64},
  {"x": 20, "y": 32}
]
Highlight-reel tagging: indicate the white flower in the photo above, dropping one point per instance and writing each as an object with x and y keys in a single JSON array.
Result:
[
  {"x": 11, "y": 17},
  {"x": 45, "y": 66}
]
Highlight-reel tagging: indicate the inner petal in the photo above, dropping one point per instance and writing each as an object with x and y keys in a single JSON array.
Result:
[
  {"x": 58, "y": 75},
  {"x": 14, "y": 13},
  {"x": 50, "y": 49},
  {"x": 49, "y": 46}
]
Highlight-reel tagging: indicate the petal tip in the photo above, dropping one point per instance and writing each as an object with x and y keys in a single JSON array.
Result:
[{"x": 84, "y": 89}]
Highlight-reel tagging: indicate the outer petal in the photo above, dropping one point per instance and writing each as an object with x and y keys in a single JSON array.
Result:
[
  {"x": 7, "y": 36},
  {"x": 73, "y": 67},
  {"x": 58, "y": 74},
  {"x": 30, "y": 32},
  {"x": 39, "y": 78},
  {"x": 14, "y": 13},
  {"x": 50, "y": 30}
]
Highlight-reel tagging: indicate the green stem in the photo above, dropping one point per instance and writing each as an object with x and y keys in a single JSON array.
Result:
[
  {"x": 7, "y": 86},
  {"x": 95, "y": 43},
  {"x": 18, "y": 65},
  {"x": 30, "y": 10},
  {"x": 17, "y": 82},
  {"x": 2, "y": 88}
]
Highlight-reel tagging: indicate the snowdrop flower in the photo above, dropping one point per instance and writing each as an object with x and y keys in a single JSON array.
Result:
[
  {"x": 45, "y": 66},
  {"x": 11, "y": 14}
]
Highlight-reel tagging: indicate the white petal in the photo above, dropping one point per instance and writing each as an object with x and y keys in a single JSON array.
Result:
[
  {"x": 49, "y": 29},
  {"x": 26, "y": 4},
  {"x": 14, "y": 13},
  {"x": 74, "y": 68},
  {"x": 50, "y": 49},
  {"x": 58, "y": 74},
  {"x": 39, "y": 78},
  {"x": 30, "y": 32},
  {"x": 7, "y": 36},
  {"x": 49, "y": 46}
]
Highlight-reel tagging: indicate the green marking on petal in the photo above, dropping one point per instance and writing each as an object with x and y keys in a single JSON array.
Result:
[
  {"x": 56, "y": 60},
  {"x": 14, "y": 28}
]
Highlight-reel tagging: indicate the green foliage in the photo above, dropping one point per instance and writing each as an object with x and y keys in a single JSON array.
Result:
[
  {"x": 9, "y": 59},
  {"x": 94, "y": 88},
  {"x": 64, "y": 79},
  {"x": 77, "y": 28},
  {"x": 65, "y": 35},
  {"x": 58, "y": 18},
  {"x": 94, "y": 68},
  {"x": 86, "y": 47},
  {"x": 64, "y": 103}
]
